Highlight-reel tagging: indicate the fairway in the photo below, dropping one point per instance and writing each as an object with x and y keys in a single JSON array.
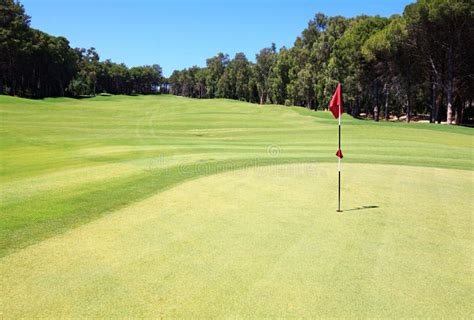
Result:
[{"x": 161, "y": 206}]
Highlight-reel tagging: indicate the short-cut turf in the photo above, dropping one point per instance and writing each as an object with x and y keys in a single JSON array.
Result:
[{"x": 261, "y": 242}]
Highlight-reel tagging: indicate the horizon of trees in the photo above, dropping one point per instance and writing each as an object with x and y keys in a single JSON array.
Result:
[
  {"x": 417, "y": 63},
  {"x": 34, "y": 64}
]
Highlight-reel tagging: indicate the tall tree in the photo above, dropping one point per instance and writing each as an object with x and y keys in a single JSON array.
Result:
[
  {"x": 280, "y": 77},
  {"x": 348, "y": 63},
  {"x": 14, "y": 33},
  {"x": 263, "y": 70},
  {"x": 216, "y": 67},
  {"x": 442, "y": 31}
]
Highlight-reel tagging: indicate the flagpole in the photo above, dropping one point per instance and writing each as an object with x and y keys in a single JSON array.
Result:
[
  {"x": 339, "y": 166},
  {"x": 336, "y": 108}
]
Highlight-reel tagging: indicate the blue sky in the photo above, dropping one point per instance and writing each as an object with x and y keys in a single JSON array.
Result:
[{"x": 181, "y": 33}]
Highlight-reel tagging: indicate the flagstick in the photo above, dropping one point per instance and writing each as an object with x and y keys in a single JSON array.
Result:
[{"x": 339, "y": 166}]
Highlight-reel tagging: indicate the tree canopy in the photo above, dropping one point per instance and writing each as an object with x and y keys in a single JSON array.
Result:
[
  {"x": 35, "y": 64},
  {"x": 418, "y": 63}
]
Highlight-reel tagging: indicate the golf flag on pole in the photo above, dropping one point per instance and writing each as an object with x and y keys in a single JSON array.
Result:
[
  {"x": 336, "y": 109},
  {"x": 336, "y": 102}
]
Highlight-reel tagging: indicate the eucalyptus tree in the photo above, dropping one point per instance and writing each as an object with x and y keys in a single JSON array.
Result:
[
  {"x": 216, "y": 67},
  {"x": 200, "y": 82},
  {"x": 176, "y": 83},
  {"x": 348, "y": 63},
  {"x": 14, "y": 33},
  {"x": 323, "y": 80},
  {"x": 241, "y": 72},
  {"x": 280, "y": 77},
  {"x": 442, "y": 32},
  {"x": 262, "y": 72},
  {"x": 394, "y": 64}
]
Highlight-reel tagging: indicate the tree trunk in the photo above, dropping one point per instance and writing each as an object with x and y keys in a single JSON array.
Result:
[
  {"x": 386, "y": 103},
  {"x": 367, "y": 108},
  {"x": 456, "y": 115},
  {"x": 459, "y": 114},
  {"x": 10, "y": 75},
  {"x": 439, "y": 102},
  {"x": 409, "y": 107},
  {"x": 409, "y": 97},
  {"x": 376, "y": 108},
  {"x": 449, "y": 88},
  {"x": 61, "y": 89},
  {"x": 356, "y": 110},
  {"x": 433, "y": 102}
]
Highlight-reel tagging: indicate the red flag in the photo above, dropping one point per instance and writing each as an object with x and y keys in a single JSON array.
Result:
[
  {"x": 336, "y": 102},
  {"x": 339, "y": 154}
]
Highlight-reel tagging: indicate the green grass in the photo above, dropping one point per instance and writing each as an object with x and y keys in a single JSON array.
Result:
[{"x": 252, "y": 243}]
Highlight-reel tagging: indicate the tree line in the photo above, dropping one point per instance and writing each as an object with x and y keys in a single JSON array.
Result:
[
  {"x": 35, "y": 64},
  {"x": 418, "y": 63},
  {"x": 414, "y": 64}
]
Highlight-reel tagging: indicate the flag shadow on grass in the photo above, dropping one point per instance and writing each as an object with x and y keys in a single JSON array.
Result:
[{"x": 361, "y": 208}]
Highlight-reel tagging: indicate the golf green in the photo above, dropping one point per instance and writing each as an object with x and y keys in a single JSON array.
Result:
[
  {"x": 262, "y": 242},
  {"x": 160, "y": 206}
]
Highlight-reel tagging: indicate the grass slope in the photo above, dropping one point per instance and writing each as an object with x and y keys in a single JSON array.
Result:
[
  {"x": 256, "y": 242},
  {"x": 65, "y": 162},
  {"x": 263, "y": 242}
]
